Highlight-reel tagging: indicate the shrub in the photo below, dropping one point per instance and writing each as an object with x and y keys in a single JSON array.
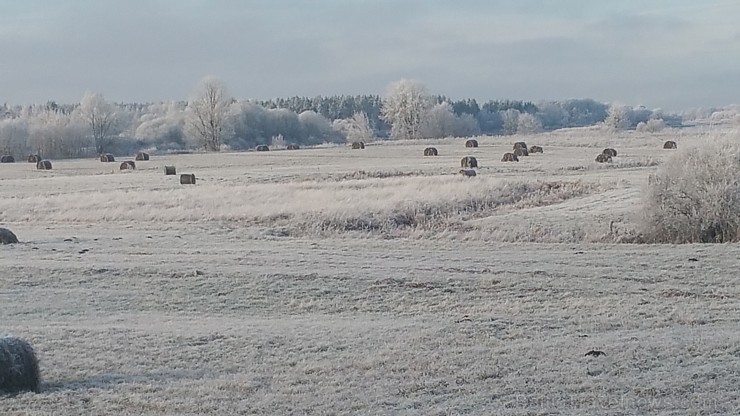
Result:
[{"x": 695, "y": 195}]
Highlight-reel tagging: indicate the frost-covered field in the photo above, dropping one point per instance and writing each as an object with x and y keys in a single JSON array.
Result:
[{"x": 375, "y": 281}]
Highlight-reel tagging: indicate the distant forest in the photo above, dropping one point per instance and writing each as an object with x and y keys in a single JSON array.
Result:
[{"x": 95, "y": 126}]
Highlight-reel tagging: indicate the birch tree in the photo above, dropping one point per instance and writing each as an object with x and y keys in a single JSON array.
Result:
[
  {"x": 101, "y": 117},
  {"x": 208, "y": 113}
]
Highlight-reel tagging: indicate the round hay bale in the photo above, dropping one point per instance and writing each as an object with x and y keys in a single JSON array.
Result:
[
  {"x": 128, "y": 165},
  {"x": 293, "y": 147},
  {"x": 520, "y": 145},
  {"x": 469, "y": 173},
  {"x": 358, "y": 145},
  {"x": 107, "y": 158},
  {"x": 535, "y": 149},
  {"x": 262, "y": 148},
  {"x": 604, "y": 158},
  {"x": 7, "y": 159},
  {"x": 142, "y": 156},
  {"x": 509, "y": 157},
  {"x": 471, "y": 143},
  {"x": 431, "y": 151},
  {"x": 187, "y": 179},
  {"x": 469, "y": 162},
  {"x": 33, "y": 158},
  {"x": 170, "y": 170},
  {"x": 7, "y": 236},
  {"x": 43, "y": 165},
  {"x": 670, "y": 144},
  {"x": 609, "y": 151},
  {"x": 521, "y": 151},
  {"x": 19, "y": 368}
]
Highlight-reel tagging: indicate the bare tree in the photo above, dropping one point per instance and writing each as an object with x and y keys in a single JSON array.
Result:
[
  {"x": 208, "y": 111},
  {"x": 102, "y": 118},
  {"x": 404, "y": 107}
]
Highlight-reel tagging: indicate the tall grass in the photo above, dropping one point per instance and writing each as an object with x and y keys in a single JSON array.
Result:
[{"x": 695, "y": 195}]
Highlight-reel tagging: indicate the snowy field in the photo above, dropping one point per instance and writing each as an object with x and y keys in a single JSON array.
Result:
[{"x": 377, "y": 281}]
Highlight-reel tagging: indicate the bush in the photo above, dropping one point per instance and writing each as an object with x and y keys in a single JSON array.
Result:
[{"x": 695, "y": 196}]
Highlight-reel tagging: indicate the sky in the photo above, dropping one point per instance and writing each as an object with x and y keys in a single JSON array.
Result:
[{"x": 669, "y": 54}]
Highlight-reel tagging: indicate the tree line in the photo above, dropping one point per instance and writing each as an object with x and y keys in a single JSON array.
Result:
[{"x": 213, "y": 120}]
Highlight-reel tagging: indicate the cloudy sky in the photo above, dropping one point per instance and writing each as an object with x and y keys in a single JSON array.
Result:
[{"x": 671, "y": 54}]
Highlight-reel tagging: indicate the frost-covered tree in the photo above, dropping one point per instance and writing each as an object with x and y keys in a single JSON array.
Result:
[
  {"x": 316, "y": 128},
  {"x": 618, "y": 117},
  {"x": 13, "y": 136},
  {"x": 162, "y": 125},
  {"x": 355, "y": 128},
  {"x": 528, "y": 124},
  {"x": 404, "y": 108},
  {"x": 207, "y": 113},
  {"x": 510, "y": 119},
  {"x": 101, "y": 117}
]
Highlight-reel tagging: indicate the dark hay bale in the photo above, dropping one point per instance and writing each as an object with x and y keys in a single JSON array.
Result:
[
  {"x": 521, "y": 151},
  {"x": 509, "y": 157},
  {"x": 170, "y": 170},
  {"x": 670, "y": 144},
  {"x": 262, "y": 148},
  {"x": 33, "y": 158},
  {"x": 142, "y": 156},
  {"x": 43, "y": 165},
  {"x": 293, "y": 147},
  {"x": 19, "y": 368},
  {"x": 535, "y": 149},
  {"x": 609, "y": 151},
  {"x": 520, "y": 145},
  {"x": 469, "y": 173},
  {"x": 7, "y": 159},
  {"x": 469, "y": 162},
  {"x": 430, "y": 151},
  {"x": 187, "y": 179},
  {"x": 471, "y": 143},
  {"x": 128, "y": 165},
  {"x": 7, "y": 236},
  {"x": 107, "y": 158},
  {"x": 603, "y": 158},
  {"x": 358, "y": 145}
]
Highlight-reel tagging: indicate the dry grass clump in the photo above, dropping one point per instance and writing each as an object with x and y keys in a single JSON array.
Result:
[
  {"x": 695, "y": 196},
  {"x": 19, "y": 368},
  {"x": 7, "y": 236}
]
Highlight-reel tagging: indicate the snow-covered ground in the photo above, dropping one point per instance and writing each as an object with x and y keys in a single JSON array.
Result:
[{"x": 375, "y": 281}]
